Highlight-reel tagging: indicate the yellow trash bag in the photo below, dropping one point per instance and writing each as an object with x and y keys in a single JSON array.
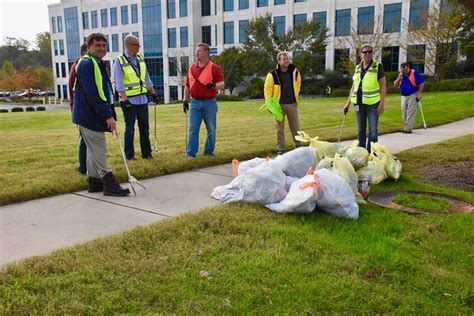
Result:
[
  {"x": 273, "y": 106},
  {"x": 358, "y": 156},
  {"x": 375, "y": 169},
  {"x": 393, "y": 166},
  {"x": 323, "y": 149},
  {"x": 343, "y": 168}
]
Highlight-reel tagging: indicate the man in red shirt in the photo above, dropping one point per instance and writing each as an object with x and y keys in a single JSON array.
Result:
[
  {"x": 72, "y": 81},
  {"x": 203, "y": 81}
]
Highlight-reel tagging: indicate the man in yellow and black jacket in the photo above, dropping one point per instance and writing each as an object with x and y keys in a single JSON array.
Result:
[{"x": 284, "y": 82}]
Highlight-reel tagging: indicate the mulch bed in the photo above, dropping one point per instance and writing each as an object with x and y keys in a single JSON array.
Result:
[{"x": 459, "y": 175}]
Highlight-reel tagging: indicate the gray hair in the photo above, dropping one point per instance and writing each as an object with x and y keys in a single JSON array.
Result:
[
  {"x": 129, "y": 39},
  {"x": 284, "y": 53}
]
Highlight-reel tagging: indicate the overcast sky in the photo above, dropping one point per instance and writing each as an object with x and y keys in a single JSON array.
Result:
[{"x": 23, "y": 18}]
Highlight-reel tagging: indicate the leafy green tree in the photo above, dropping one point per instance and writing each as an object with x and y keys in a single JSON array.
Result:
[
  {"x": 232, "y": 62},
  {"x": 43, "y": 53},
  {"x": 306, "y": 41},
  {"x": 7, "y": 67}
]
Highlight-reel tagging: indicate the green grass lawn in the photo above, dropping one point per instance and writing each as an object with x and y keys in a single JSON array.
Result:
[
  {"x": 423, "y": 202},
  {"x": 39, "y": 149},
  {"x": 244, "y": 259}
]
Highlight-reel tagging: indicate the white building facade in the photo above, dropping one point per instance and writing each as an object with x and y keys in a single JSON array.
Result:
[{"x": 169, "y": 30}]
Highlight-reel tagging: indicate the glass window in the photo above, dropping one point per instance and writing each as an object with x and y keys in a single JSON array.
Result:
[
  {"x": 134, "y": 9},
  {"x": 94, "y": 23},
  {"x": 392, "y": 16},
  {"x": 365, "y": 20},
  {"x": 59, "y": 91},
  {"x": 123, "y": 40},
  {"x": 296, "y": 1},
  {"x": 390, "y": 58},
  {"x": 85, "y": 20},
  {"x": 115, "y": 43},
  {"x": 205, "y": 7},
  {"x": 206, "y": 34},
  {"x": 184, "y": 64},
  {"x": 228, "y": 32},
  {"x": 73, "y": 39},
  {"x": 55, "y": 44},
  {"x": 171, "y": 37},
  {"x": 243, "y": 4},
  {"x": 63, "y": 70},
  {"x": 153, "y": 33},
  {"x": 183, "y": 8},
  {"x": 61, "y": 47},
  {"x": 173, "y": 93},
  {"x": 183, "y": 36},
  {"x": 242, "y": 30},
  {"x": 171, "y": 7},
  {"x": 57, "y": 70},
  {"x": 103, "y": 18},
  {"x": 108, "y": 42},
  {"x": 277, "y": 2},
  {"x": 113, "y": 16},
  {"x": 341, "y": 56},
  {"x": 53, "y": 24},
  {"x": 228, "y": 5},
  {"x": 155, "y": 70},
  {"x": 343, "y": 22},
  {"x": 60, "y": 24},
  {"x": 416, "y": 57},
  {"x": 262, "y": 3},
  {"x": 280, "y": 25},
  {"x": 124, "y": 14},
  {"x": 299, "y": 19},
  {"x": 136, "y": 34},
  {"x": 418, "y": 14},
  {"x": 173, "y": 66},
  {"x": 65, "y": 91},
  {"x": 321, "y": 18}
]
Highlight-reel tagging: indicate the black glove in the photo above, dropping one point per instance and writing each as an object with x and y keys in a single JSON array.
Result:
[
  {"x": 211, "y": 85},
  {"x": 185, "y": 107},
  {"x": 125, "y": 103},
  {"x": 155, "y": 99}
]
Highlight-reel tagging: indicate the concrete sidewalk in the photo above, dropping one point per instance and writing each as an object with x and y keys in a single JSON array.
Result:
[{"x": 41, "y": 226}]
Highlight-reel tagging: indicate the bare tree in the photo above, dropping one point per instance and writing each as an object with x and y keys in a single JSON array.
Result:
[
  {"x": 440, "y": 32},
  {"x": 372, "y": 34}
]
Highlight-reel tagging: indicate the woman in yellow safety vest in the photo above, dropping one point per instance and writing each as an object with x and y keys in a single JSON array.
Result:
[{"x": 368, "y": 96}]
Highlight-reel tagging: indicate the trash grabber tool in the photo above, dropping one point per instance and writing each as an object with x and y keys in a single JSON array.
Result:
[
  {"x": 131, "y": 179},
  {"x": 186, "y": 133},
  {"x": 156, "y": 140},
  {"x": 342, "y": 126},
  {"x": 422, "y": 115}
]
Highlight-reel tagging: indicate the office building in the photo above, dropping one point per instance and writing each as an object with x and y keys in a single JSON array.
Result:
[{"x": 169, "y": 30}]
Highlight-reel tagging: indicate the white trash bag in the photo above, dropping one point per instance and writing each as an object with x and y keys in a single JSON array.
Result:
[
  {"x": 301, "y": 198},
  {"x": 240, "y": 168},
  {"x": 296, "y": 162},
  {"x": 336, "y": 196}
]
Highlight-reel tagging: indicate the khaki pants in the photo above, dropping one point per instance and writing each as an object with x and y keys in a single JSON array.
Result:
[
  {"x": 409, "y": 108},
  {"x": 291, "y": 112},
  {"x": 96, "y": 162}
]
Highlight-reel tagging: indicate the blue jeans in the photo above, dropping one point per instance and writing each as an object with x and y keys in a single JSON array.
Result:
[
  {"x": 202, "y": 109},
  {"x": 367, "y": 113},
  {"x": 140, "y": 113},
  {"x": 82, "y": 155}
]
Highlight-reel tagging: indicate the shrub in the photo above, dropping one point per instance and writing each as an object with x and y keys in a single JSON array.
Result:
[
  {"x": 3, "y": 111},
  {"x": 450, "y": 85},
  {"x": 40, "y": 108},
  {"x": 30, "y": 109},
  {"x": 255, "y": 88},
  {"x": 17, "y": 109},
  {"x": 223, "y": 97},
  {"x": 335, "y": 79}
]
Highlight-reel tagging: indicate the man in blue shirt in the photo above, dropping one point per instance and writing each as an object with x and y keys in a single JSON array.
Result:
[
  {"x": 411, "y": 85},
  {"x": 132, "y": 83},
  {"x": 93, "y": 113}
]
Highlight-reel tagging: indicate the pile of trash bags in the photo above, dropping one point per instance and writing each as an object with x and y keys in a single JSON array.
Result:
[{"x": 323, "y": 176}]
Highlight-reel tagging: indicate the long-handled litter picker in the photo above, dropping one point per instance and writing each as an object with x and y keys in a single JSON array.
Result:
[
  {"x": 422, "y": 115},
  {"x": 342, "y": 126},
  {"x": 156, "y": 140},
  {"x": 131, "y": 179},
  {"x": 186, "y": 133}
]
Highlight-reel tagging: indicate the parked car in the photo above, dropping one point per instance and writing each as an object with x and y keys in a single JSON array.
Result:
[
  {"x": 46, "y": 93},
  {"x": 28, "y": 93},
  {"x": 4, "y": 94}
]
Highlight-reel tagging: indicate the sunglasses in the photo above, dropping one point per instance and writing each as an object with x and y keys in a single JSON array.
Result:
[
  {"x": 367, "y": 52},
  {"x": 136, "y": 45}
]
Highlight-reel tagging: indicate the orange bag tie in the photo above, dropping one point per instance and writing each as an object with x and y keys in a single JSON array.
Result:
[
  {"x": 316, "y": 183},
  {"x": 235, "y": 167}
]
